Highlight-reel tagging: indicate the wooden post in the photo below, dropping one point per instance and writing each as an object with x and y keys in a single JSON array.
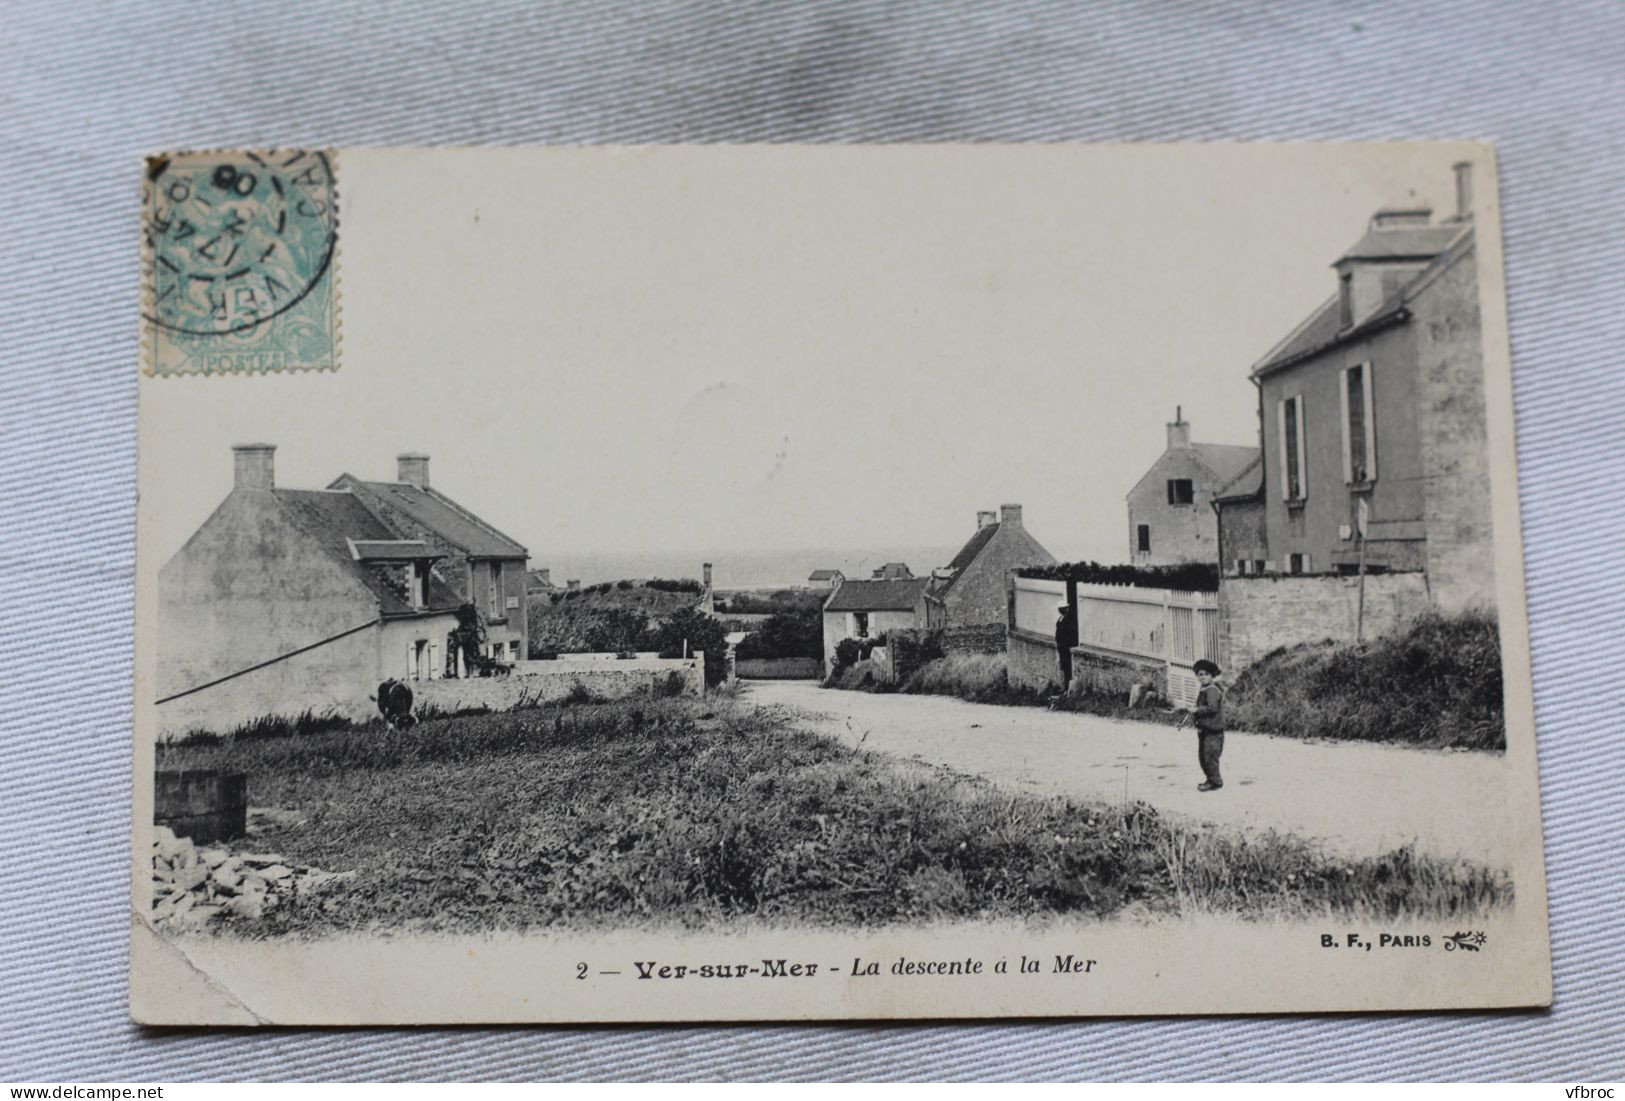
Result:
[{"x": 1359, "y": 605}]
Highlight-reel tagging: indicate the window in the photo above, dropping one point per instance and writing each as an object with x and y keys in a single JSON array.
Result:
[
  {"x": 1242, "y": 566},
  {"x": 417, "y": 574},
  {"x": 513, "y": 649},
  {"x": 1359, "y": 426},
  {"x": 1294, "y": 457},
  {"x": 494, "y": 590},
  {"x": 1297, "y": 563},
  {"x": 860, "y": 624},
  {"x": 1179, "y": 491},
  {"x": 1260, "y": 566},
  {"x": 1143, "y": 538},
  {"x": 1345, "y": 300}
]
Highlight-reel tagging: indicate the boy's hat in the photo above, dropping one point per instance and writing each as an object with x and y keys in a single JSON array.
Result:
[{"x": 1205, "y": 666}]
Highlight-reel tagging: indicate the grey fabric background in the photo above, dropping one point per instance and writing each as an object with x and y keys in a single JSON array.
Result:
[{"x": 86, "y": 88}]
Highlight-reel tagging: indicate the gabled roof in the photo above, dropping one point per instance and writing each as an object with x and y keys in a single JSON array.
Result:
[
  {"x": 967, "y": 553},
  {"x": 1224, "y": 459},
  {"x": 824, "y": 575},
  {"x": 332, "y": 519},
  {"x": 1403, "y": 243},
  {"x": 902, "y": 595},
  {"x": 1320, "y": 331},
  {"x": 1247, "y": 482},
  {"x": 443, "y": 516}
]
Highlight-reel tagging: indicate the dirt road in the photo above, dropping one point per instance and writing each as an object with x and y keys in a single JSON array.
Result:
[{"x": 1356, "y": 798}]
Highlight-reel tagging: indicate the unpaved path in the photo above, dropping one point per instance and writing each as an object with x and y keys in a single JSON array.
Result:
[{"x": 1356, "y": 798}]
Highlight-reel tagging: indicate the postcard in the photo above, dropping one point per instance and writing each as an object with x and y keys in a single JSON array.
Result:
[{"x": 842, "y": 582}]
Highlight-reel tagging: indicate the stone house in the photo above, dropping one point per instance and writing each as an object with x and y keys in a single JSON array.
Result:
[
  {"x": 1170, "y": 509},
  {"x": 1375, "y": 403},
  {"x": 971, "y": 590},
  {"x": 868, "y": 609},
  {"x": 286, "y": 601},
  {"x": 478, "y": 562},
  {"x": 825, "y": 579}
]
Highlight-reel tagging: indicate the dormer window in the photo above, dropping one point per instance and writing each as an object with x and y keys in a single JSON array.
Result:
[{"x": 417, "y": 574}]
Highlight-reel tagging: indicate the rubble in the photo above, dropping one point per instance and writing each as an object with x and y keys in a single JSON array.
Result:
[{"x": 191, "y": 885}]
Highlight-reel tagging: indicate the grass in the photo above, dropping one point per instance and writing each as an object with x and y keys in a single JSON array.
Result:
[
  {"x": 1437, "y": 685},
  {"x": 660, "y": 813}
]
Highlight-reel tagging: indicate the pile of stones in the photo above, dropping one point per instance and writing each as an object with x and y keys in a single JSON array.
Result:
[{"x": 192, "y": 885}]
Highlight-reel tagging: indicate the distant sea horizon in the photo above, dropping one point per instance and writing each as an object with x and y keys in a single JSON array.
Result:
[{"x": 752, "y": 569}]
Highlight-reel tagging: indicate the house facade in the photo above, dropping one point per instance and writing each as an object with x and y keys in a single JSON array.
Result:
[
  {"x": 1373, "y": 412},
  {"x": 1170, "y": 509},
  {"x": 484, "y": 566},
  {"x": 286, "y": 601},
  {"x": 868, "y": 609},
  {"x": 971, "y": 590}
]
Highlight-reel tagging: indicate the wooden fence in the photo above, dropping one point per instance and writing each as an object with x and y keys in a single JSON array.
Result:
[
  {"x": 1151, "y": 627},
  {"x": 1158, "y": 628}
]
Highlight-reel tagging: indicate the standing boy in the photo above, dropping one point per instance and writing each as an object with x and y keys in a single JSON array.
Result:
[{"x": 1209, "y": 716}]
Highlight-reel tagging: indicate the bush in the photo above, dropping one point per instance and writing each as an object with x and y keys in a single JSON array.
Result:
[
  {"x": 1192, "y": 577},
  {"x": 1438, "y": 684},
  {"x": 785, "y": 635},
  {"x": 968, "y": 676},
  {"x": 686, "y": 585},
  {"x": 700, "y": 632}
]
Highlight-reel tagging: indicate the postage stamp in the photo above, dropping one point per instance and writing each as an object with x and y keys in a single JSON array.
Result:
[{"x": 239, "y": 254}]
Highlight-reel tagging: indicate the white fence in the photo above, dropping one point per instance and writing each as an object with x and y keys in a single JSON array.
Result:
[
  {"x": 1036, "y": 605},
  {"x": 1161, "y": 626}
]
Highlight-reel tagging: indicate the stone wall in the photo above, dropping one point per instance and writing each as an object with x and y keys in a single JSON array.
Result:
[
  {"x": 531, "y": 683},
  {"x": 779, "y": 668},
  {"x": 1031, "y": 661},
  {"x": 1455, "y": 447},
  {"x": 987, "y": 638},
  {"x": 1260, "y": 614},
  {"x": 908, "y": 650}
]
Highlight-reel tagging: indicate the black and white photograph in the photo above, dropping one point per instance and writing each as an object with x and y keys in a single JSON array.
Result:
[{"x": 777, "y": 583}]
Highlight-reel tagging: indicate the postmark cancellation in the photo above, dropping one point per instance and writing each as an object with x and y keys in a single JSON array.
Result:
[{"x": 239, "y": 256}]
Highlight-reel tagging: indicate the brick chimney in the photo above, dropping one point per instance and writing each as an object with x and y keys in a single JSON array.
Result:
[
  {"x": 254, "y": 465},
  {"x": 413, "y": 467},
  {"x": 1009, "y": 516},
  {"x": 1179, "y": 431},
  {"x": 983, "y": 519}
]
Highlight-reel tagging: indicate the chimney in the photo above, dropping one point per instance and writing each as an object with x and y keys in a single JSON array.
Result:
[
  {"x": 574, "y": 584},
  {"x": 707, "y": 575},
  {"x": 545, "y": 576},
  {"x": 1179, "y": 431},
  {"x": 254, "y": 465},
  {"x": 1010, "y": 516},
  {"x": 413, "y": 467},
  {"x": 1464, "y": 191},
  {"x": 983, "y": 519}
]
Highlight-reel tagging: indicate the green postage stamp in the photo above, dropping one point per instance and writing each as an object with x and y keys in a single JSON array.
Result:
[{"x": 239, "y": 252}]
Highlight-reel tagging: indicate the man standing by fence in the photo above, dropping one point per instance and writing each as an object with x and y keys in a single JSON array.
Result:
[{"x": 1066, "y": 637}]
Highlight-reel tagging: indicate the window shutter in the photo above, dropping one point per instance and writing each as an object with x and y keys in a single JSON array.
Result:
[
  {"x": 434, "y": 661},
  {"x": 1370, "y": 426},
  {"x": 1348, "y": 444},
  {"x": 1303, "y": 450},
  {"x": 411, "y": 661},
  {"x": 1280, "y": 418}
]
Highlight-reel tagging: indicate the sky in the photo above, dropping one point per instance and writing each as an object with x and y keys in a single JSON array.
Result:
[{"x": 753, "y": 349}]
